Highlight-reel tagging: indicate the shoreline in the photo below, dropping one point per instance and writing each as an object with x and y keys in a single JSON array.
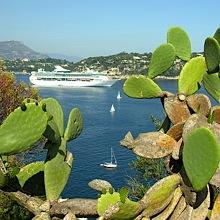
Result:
[
  {"x": 121, "y": 77},
  {"x": 124, "y": 77}
]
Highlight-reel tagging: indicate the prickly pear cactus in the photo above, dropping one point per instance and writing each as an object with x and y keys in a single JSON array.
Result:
[
  {"x": 177, "y": 37},
  {"x": 191, "y": 76},
  {"x": 142, "y": 87},
  {"x": 59, "y": 161},
  {"x": 191, "y": 144},
  {"x": 28, "y": 171},
  {"x": 117, "y": 206},
  {"x": 57, "y": 170},
  {"x": 162, "y": 59},
  {"x": 26, "y": 125},
  {"x": 201, "y": 156},
  {"x": 22, "y": 128},
  {"x": 211, "y": 83},
  {"x": 107, "y": 200},
  {"x": 217, "y": 35},
  {"x": 212, "y": 54},
  {"x": 74, "y": 125},
  {"x": 55, "y": 127}
]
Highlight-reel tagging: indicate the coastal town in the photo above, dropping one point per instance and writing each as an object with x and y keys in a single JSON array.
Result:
[{"x": 117, "y": 66}]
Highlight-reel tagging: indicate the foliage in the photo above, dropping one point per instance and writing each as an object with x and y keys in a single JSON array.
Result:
[
  {"x": 166, "y": 53},
  {"x": 30, "y": 122},
  {"x": 193, "y": 137},
  {"x": 202, "y": 145},
  {"x": 11, "y": 93},
  {"x": 147, "y": 172},
  {"x": 179, "y": 39},
  {"x": 147, "y": 88},
  {"x": 9, "y": 209}
]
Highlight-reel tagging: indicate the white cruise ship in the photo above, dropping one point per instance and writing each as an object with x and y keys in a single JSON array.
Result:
[{"x": 61, "y": 77}]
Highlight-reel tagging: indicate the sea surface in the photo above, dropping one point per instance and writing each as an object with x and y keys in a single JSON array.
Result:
[{"x": 103, "y": 130}]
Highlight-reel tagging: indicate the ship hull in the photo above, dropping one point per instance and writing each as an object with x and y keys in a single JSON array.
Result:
[{"x": 81, "y": 83}]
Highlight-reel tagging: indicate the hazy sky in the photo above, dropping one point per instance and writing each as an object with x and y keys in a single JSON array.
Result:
[{"x": 101, "y": 27}]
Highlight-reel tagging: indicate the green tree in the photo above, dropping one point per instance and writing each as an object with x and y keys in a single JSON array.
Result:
[
  {"x": 146, "y": 171},
  {"x": 11, "y": 93}
]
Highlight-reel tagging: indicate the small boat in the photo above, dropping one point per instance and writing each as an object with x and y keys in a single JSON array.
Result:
[
  {"x": 119, "y": 95},
  {"x": 112, "y": 108},
  {"x": 113, "y": 163}
]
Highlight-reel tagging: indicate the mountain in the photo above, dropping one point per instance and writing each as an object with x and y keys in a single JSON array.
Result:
[
  {"x": 64, "y": 57},
  {"x": 12, "y": 50}
]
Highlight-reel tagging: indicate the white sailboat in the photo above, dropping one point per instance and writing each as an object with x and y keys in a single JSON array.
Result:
[
  {"x": 119, "y": 95},
  {"x": 112, "y": 108},
  {"x": 113, "y": 163}
]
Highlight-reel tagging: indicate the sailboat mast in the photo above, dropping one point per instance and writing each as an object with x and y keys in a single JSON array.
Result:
[{"x": 113, "y": 156}]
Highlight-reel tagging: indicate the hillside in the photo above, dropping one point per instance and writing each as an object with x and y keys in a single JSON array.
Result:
[
  {"x": 123, "y": 64},
  {"x": 126, "y": 64},
  {"x": 12, "y": 50},
  {"x": 117, "y": 65}
]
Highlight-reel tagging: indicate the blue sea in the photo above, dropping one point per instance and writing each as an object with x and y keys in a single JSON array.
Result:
[{"x": 103, "y": 130}]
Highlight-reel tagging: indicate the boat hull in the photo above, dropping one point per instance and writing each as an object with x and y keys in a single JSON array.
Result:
[
  {"x": 110, "y": 165},
  {"x": 57, "y": 83}
]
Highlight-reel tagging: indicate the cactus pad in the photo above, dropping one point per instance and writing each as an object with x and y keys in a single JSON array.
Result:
[
  {"x": 191, "y": 75},
  {"x": 199, "y": 103},
  {"x": 178, "y": 209},
  {"x": 201, "y": 156},
  {"x": 22, "y": 129},
  {"x": 211, "y": 83},
  {"x": 141, "y": 87},
  {"x": 57, "y": 171},
  {"x": 180, "y": 40},
  {"x": 123, "y": 211},
  {"x": 153, "y": 145},
  {"x": 161, "y": 60},
  {"x": 54, "y": 108},
  {"x": 194, "y": 121},
  {"x": 74, "y": 125},
  {"x": 212, "y": 54},
  {"x": 29, "y": 100},
  {"x": 52, "y": 132},
  {"x": 217, "y": 35},
  {"x": 171, "y": 207},
  {"x": 123, "y": 194},
  {"x": 111, "y": 207},
  {"x": 106, "y": 200},
  {"x": 172, "y": 105},
  {"x": 160, "y": 195},
  {"x": 28, "y": 171},
  {"x": 176, "y": 131}
]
